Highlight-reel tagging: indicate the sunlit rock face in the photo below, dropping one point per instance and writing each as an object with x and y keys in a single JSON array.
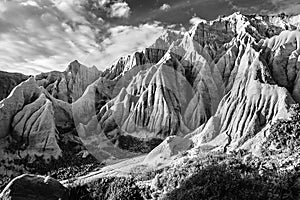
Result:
[
  {"x": 259, "y": 69},
  {"x": 28, "y": 128},
  {"x": 70, "y": 84},
  {"x": 218, "y": 86},
  {"x": 24, "y": 93}
]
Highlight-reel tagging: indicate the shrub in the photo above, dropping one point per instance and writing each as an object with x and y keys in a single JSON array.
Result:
[
  {"x": 108, "y": 188},
  {"x": 229, "y": 179},
  {"x": 284, "y": 134}
]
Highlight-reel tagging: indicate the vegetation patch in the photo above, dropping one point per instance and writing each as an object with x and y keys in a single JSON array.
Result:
[{"x": 284, "y": 134}]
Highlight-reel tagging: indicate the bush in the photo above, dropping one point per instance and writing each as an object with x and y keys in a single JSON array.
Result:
[
  {"x": 228, "y": 178},
  {"x": 223, "y": 182},
  {"x": 108, "y": 188},
  {"x": 284, "y": 134},
  {"x": 137, "y": 145}
]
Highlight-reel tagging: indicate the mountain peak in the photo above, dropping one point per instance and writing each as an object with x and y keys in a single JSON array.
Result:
[{"x": 74, "y": 66}]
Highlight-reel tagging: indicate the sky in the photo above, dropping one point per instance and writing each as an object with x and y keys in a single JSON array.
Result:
[{"x": 44, "y": 35}]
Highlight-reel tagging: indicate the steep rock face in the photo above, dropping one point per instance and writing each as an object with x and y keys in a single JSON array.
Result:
[
  {"x": 124, "y": 64},
  {"x": 70, "y": 84},
  {"x": 212, "y": 36},
  {"x": 284, "y": 52},
  {"x": 259, "y": 80},
  {"x": 159, "y": 107},
  {"x": 23, "y": 94},
  {"x": 28, "y": 128},
  {"x": 151, "y": 105},
  {"x": 205, "y": 78},
  {"x": 159, "y": 48},
  {"x": 8, "y": 81},
  {"x": 174, "y": 96},
  {"x": 95, "y": 96},
  {"x": 34, "y": 127},
  {"x": 29, "y": 187},
  {"x": 253, "y": 102},
  {"x": 149, "y": 56}
]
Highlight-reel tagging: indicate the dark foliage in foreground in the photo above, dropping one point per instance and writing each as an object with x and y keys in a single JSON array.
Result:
[
  {"x": 134, "y": 144},
  {"x": 227, "y": 182},
  {"x": 108, "y": 188},
  {"x": 285, "y": 134}
]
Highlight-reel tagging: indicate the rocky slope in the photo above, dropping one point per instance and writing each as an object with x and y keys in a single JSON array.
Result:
[
  {"x": 217, "y": 87},
  {"x": 70, "y": 84},
  {"x": 8, "y": 81}
]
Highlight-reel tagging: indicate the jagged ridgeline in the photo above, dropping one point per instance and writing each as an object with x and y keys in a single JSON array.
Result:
[{"x": 216, "y": 87}]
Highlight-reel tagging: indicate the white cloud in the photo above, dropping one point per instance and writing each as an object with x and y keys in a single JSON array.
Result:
[
  {"x": 128, "y": 39},
  {"x": 38, "y": 37},
  {"x": 50, "y": 34},
  {"x": 165, "y": 7},
  {"x": 197, "y": 20},
  {"x": 120, "y": 10},
  {"x": 29, "y": 3}
]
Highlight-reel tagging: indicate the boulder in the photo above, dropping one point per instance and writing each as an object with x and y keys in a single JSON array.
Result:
[{"x": 33, "y": 187}]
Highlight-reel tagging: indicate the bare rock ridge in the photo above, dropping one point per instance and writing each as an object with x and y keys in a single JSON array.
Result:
[
  {"x": 70, "y": 84},
  {"x": 28, "y": 127},
  {"x": 218, "y": 86}
]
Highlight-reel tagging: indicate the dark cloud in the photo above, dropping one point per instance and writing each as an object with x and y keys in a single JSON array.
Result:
[
  {"x": 253, "y": 6},
  {"x": 182, "y": 10},
  {"x": 179, "y": 12}
]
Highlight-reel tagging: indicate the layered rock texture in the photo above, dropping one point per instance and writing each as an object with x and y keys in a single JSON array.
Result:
[
  {"x": 216, "y": 87},
  {"x": 70, "y": 84}
]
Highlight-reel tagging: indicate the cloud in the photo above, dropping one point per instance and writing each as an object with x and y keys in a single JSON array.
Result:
[
  {"x": 249, "y": 7},
  {"x": 165, "y": 7},
  {"x": 287, "y": 6},
  {"x": 292, "y": 10},
  {"x": 196, "y": 20},
  {"x": 43, "y": 36},
  {"x": 128, "y": 39},
  {"x": 48, "y": 34},
  {"x": 120, "y": 10},
  {"x": 107, "y": 8},
  {"x": 266, "y": 7}
]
